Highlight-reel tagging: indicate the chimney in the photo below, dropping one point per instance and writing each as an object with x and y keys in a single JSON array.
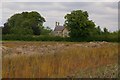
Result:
[{"x": 56, "y": 23}]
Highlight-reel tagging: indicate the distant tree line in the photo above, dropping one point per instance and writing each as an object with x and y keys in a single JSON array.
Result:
[{"x": 77, "y": 22}]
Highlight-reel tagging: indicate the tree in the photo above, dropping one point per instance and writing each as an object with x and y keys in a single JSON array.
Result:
[
  {"x": 46, "y": 30},
  {"x": 36, "y": 30},
  {"x": 99, "y": 31},
  {"x": 6, "y": 29},
  {"x": 105, "y": 30},
  {"x": 24, "y": 23},
  {"x": 79, "y": 25}
]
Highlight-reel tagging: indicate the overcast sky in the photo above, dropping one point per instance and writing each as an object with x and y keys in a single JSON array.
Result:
[{"x": 104, "y": 14}]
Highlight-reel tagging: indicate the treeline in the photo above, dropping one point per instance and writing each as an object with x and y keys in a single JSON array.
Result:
[
  {"x": 28, "y": 26},
  {"x": 108, "y": 38}
]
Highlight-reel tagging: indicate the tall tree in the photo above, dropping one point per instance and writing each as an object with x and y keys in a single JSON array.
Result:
[
  {"x": 25, "y": 23},
  {"x": 78, "y": 24}
]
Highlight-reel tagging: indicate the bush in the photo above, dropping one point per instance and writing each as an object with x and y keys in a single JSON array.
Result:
[
  {"x": 31, "y": 38},
  {"x": 108, "y": 38}
]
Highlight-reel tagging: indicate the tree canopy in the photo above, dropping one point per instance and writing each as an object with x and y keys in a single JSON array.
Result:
[
  {"x": 105, "y": 31},
  {"x": 24, "y": 23},
  {"x": 79, "y": 24}
]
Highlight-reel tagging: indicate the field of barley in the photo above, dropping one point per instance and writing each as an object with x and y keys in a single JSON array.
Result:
[{"x": 59, "y": 59}]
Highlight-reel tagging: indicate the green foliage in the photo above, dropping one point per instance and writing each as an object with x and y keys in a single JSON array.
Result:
[
  {"x": 106, "y": 31},
  {"x": 13, "y": 37},
  {"x": 6, "y": 29},
  {"x": 46, "y": 31},
  {"x": 25, "y": 27},
  {"x": 79, "y": 25},
  {"x": 24, "y": 23},
  {"x": 98, "y": 30}
]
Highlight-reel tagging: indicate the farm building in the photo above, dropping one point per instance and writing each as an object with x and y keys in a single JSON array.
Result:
[{"x": 60, "y": 30}]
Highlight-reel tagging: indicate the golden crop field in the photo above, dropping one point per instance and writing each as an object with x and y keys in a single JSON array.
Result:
[{"x": 59, "y": 59}]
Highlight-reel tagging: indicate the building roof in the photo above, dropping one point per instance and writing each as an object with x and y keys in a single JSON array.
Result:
[{"x": 59, "y": 28}]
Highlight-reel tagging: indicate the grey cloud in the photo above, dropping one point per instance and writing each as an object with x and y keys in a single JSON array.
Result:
[
  {"x": 61, "y": 0},
  {"x": 113, "y": 5},
  {"x": 55, "y": 11}
]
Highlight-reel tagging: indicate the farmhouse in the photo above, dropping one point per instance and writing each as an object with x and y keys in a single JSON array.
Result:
[{"x": 60, "y": 30}]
